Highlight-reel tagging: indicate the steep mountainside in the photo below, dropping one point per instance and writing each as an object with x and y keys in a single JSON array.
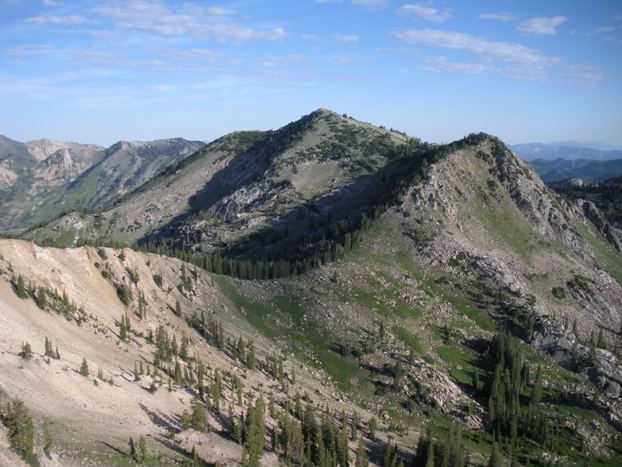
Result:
[
  {"x": 606, "y": 196},
  {"x": 238, "y": 185},
  {"x": 415, "y": 283},
  {"x": 74, "y": 300}
]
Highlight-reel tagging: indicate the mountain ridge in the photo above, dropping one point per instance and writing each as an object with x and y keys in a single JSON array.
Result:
[{"x": 386, "y": 268}]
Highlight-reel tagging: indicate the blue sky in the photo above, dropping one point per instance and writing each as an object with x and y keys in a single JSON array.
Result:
[{"x": 101, "y": 71}]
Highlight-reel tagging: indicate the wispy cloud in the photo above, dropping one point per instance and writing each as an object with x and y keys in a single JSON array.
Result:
[
  {"x": 376, "y": 4},
  {"x": 504, "y": 51},
  {"x": 192, "y": 53},
  {"x": 541, "y": 25},
  {"x": 504, "y": 17},
  {"x": 271, "y": 61},
  {"x": 55, "y": 20},
  {"x": 443, "y": 64},
  {"x": 504, "y": 58},
  {"x": 332, "y": 38},
  {"x": 157, "y": 18},
  {"x": 346, "y": 38},
  {"x": 426, "y": 12}
]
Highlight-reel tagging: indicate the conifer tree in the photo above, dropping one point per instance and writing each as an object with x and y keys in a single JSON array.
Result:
[
  {"x": 20, "y": 429},
  {"x": 361, "y": 455},
  {"x": 495, "y": 457},
  {"x": 255, "y": 432},
  {"x": 373, "y": 426},
  {"x": 250, "y": 362},
  {"x": 26, "y": 352},
  {"x": 177, "y": 378},
  {"x": 20, "y": 288},
  {"x": 122, "y": 329},
  {"x": 41, "y": 298},
  {"x": 142, "y": 449},
  {"x": 84, "y": 368},
  {"x": 49, "y": 350},
  {"x": 177, "y": 308},
  {"x": 536, "y": 395},
  {"x": 133, "y": 452},
  {"x": 198, "y": 417},
  {"x": 47, "y": 438}
]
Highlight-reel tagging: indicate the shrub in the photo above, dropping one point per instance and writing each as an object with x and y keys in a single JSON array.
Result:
[{"x": 559, "y": 293}]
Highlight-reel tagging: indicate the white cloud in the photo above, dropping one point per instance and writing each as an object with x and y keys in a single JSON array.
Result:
[
  {"x": 55, "y": 20},
  {"x": 156, "y": 18},
  {"x": 428, "y": 13},
  {"x": 27, "y": 50},
  {"x": 504, "y": 58},
  {"x": 272, "y": 61},
  {"x": 192, "y": 53},
  {"x": 504, "y": 17},
  {"x": 371, "y": 3},
  {"x": 504, "y": 51},
  {"x": 442, "y": 64},
  {"x": 346, "y": 38},
  {"x": 541, "y": 25},
  {"x": 50, "y": 3}
]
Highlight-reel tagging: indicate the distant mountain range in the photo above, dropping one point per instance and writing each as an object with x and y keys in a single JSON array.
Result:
[
  {"x": 41, "y": 179},
  {"x": 585, "y": 169},
  {"x": 552, "y": 151},
  {"x": 593, "y": 162}
]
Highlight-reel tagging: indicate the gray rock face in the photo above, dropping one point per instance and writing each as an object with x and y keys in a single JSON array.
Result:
[
  {"x": 594, "y": 215},
  {"x": 599, "y": 366}
]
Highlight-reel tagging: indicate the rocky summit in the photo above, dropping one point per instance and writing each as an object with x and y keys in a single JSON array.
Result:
[{"x": 327, "y": 293}]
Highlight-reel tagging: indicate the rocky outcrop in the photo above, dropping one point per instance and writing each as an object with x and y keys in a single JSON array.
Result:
[
  {"x": 597, "y": 365},
  {"x": 593, "y": 214}
]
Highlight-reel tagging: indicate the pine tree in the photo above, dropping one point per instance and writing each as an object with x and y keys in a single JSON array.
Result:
[
  {"x": 26, "y": 352},
  {"x": 177, "y": 378},
  {"x": 142, "y": 449},
  {"x": 49, "y": 350},
  {"x": 536, "y": 394},
  {"x": 373, "y": 426},
  {"x": 21, "y": 431},
  {"x": 198, "y": 418},
  {"x": 495, "y": 457},
  {"x": 123, "y": 329},
  {"x": 255, "y": 432},
  {"x": 84, "y": 368},
  {"x": 20, "y": 288},
  {"x": 398, "y": 374},
  {"x": 47, "y": 438},
  {"x": 177, "y": 308},
  {"x": 41, "y": 298},
  {"x": 133, "y": 452},
  {"x": 250, "y": 362},
  {"x": 361, "y": 455}
]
